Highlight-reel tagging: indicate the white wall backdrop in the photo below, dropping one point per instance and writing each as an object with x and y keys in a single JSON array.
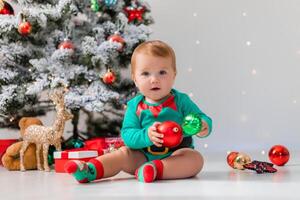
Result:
[{"x": 240, "y": 62}]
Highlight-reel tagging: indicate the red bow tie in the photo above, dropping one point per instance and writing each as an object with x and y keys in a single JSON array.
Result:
[{"x": 155, "y": 110}]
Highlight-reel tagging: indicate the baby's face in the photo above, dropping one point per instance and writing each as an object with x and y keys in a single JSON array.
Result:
[{"x": 154, "y": 76}]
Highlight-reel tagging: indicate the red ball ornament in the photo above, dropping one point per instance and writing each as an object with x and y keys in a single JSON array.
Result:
[
  {"x": 118, "y": 39},
  {"x": 237, "y": 160},
  {"x": 279, "y": 155},
  {"x": 231, "y": 158},
  {"x": 24, "y": 28},
  {"x": 172, "y": 133},
  {"x": 5, "y": 8},
  {"x": 66, "y": 44},
  {"x": 109, "y": 77}
]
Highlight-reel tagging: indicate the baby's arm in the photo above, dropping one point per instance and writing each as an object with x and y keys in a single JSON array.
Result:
[{"x": 133, "y": 135}]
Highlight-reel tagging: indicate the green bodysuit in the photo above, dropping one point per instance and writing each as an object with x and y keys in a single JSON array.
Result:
[{"x": 140, "y": 115}]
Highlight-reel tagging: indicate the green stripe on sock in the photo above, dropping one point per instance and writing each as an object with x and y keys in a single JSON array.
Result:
[
  {"x": 80, "y": 175},
  {"x": 92, "y": 172},
  {"x": 141, "y": 174}
]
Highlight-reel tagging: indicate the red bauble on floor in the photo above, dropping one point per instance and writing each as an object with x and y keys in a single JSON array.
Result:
[
  {"x": 231, "y": 157},
  {"x": 279, "y": 155}
]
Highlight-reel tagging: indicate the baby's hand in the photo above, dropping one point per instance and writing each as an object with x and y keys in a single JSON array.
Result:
[
  {"x": 154, "y": 136},
  {"x": 204, "y": 130}
]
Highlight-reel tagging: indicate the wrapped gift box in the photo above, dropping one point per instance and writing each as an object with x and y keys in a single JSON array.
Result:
[
  {"x": 117, "y": 142},
  {"x": 62, "y": 157},
  {"x": 4, "y": 144},
  {"x": 104, "y": 145},
  {"x": 97, "y": 144}
]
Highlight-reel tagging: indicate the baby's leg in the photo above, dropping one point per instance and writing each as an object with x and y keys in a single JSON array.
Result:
[
  {"x": 124, "y": 159},
  {"x": 106, "y": 165},
  {"x": 183, "y": 163}
]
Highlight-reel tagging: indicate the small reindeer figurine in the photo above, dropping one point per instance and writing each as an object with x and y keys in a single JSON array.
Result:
[{"x": 44, "y": 136}]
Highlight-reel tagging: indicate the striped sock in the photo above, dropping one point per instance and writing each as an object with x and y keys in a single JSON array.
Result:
[
  {"x": 149, "y": 171},
  {"x": 85, "y": 172}
]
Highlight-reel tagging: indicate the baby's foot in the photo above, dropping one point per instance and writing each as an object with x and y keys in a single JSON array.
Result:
[
  {"x": 149, "y": 171},
  {"x": 82, "y": 171}
]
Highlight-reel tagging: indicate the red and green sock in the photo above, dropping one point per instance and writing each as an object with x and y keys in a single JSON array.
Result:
[
  {"x": 85, "y": 171},
  {"x": 149, "y": 171}
]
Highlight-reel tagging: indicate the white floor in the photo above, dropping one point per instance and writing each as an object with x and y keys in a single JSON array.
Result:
[{"x": 216, "y": 181}]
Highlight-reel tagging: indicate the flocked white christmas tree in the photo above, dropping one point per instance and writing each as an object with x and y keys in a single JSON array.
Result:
[{"x": 84, "y": 46}]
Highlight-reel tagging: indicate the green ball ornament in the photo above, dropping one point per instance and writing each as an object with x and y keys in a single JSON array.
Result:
[
  {"x": 95, "y": 5},
  {"x": 77, "y": 143},
  {"x": 192, "y": 124},
  {"x": 74, "y": 143}
]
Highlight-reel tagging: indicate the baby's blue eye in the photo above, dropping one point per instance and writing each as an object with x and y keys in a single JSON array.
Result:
[
  {"x": 145, "y": 73},
  {"x": 162, "y": 72}
]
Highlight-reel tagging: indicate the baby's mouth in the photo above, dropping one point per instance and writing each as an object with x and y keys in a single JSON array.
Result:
[{"x": 155, "y": 88}]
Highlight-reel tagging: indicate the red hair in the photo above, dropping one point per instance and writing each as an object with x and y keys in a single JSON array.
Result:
[{"x": 154, "y": 48}]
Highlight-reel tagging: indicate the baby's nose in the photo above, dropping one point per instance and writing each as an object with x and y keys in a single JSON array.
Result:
[{"x": 154, "y": 79}]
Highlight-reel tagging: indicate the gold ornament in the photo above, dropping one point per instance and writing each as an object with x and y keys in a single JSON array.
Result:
[
  {"x": 240, "y": 160},
  {"x": 44, "y": 136}
]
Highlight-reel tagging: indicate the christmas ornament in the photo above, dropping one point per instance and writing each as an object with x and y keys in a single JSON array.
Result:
[
  {"x": 279, "y": 155},
  {"x": 25, "y": 28},
  {"x": 110, "y": 3},
  {"x": 109, "y": 77},
  {"x": 260, "y": 167},
  {"x": 237, "y": 160},
  {"x": 172, "y": 133},
  {"x": 231, "y": 157},
  {"x": 95, "y": 5},
  {"x": 116, "y": 37},
  {"x": 66, "y": 44},
  {"x": 5, "y": 8},
  {"x": 134, "y": 13},
  {"x": 242, "y": 161},
  {"x": 192, "y": 124},
  {"x": 75, "y": 143}
]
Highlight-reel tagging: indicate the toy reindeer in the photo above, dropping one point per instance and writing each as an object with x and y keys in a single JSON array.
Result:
[{"x": 44, "y": 136}]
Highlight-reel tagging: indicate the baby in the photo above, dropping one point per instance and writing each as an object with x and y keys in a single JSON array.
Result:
[{"x": 153, "y": 70}]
